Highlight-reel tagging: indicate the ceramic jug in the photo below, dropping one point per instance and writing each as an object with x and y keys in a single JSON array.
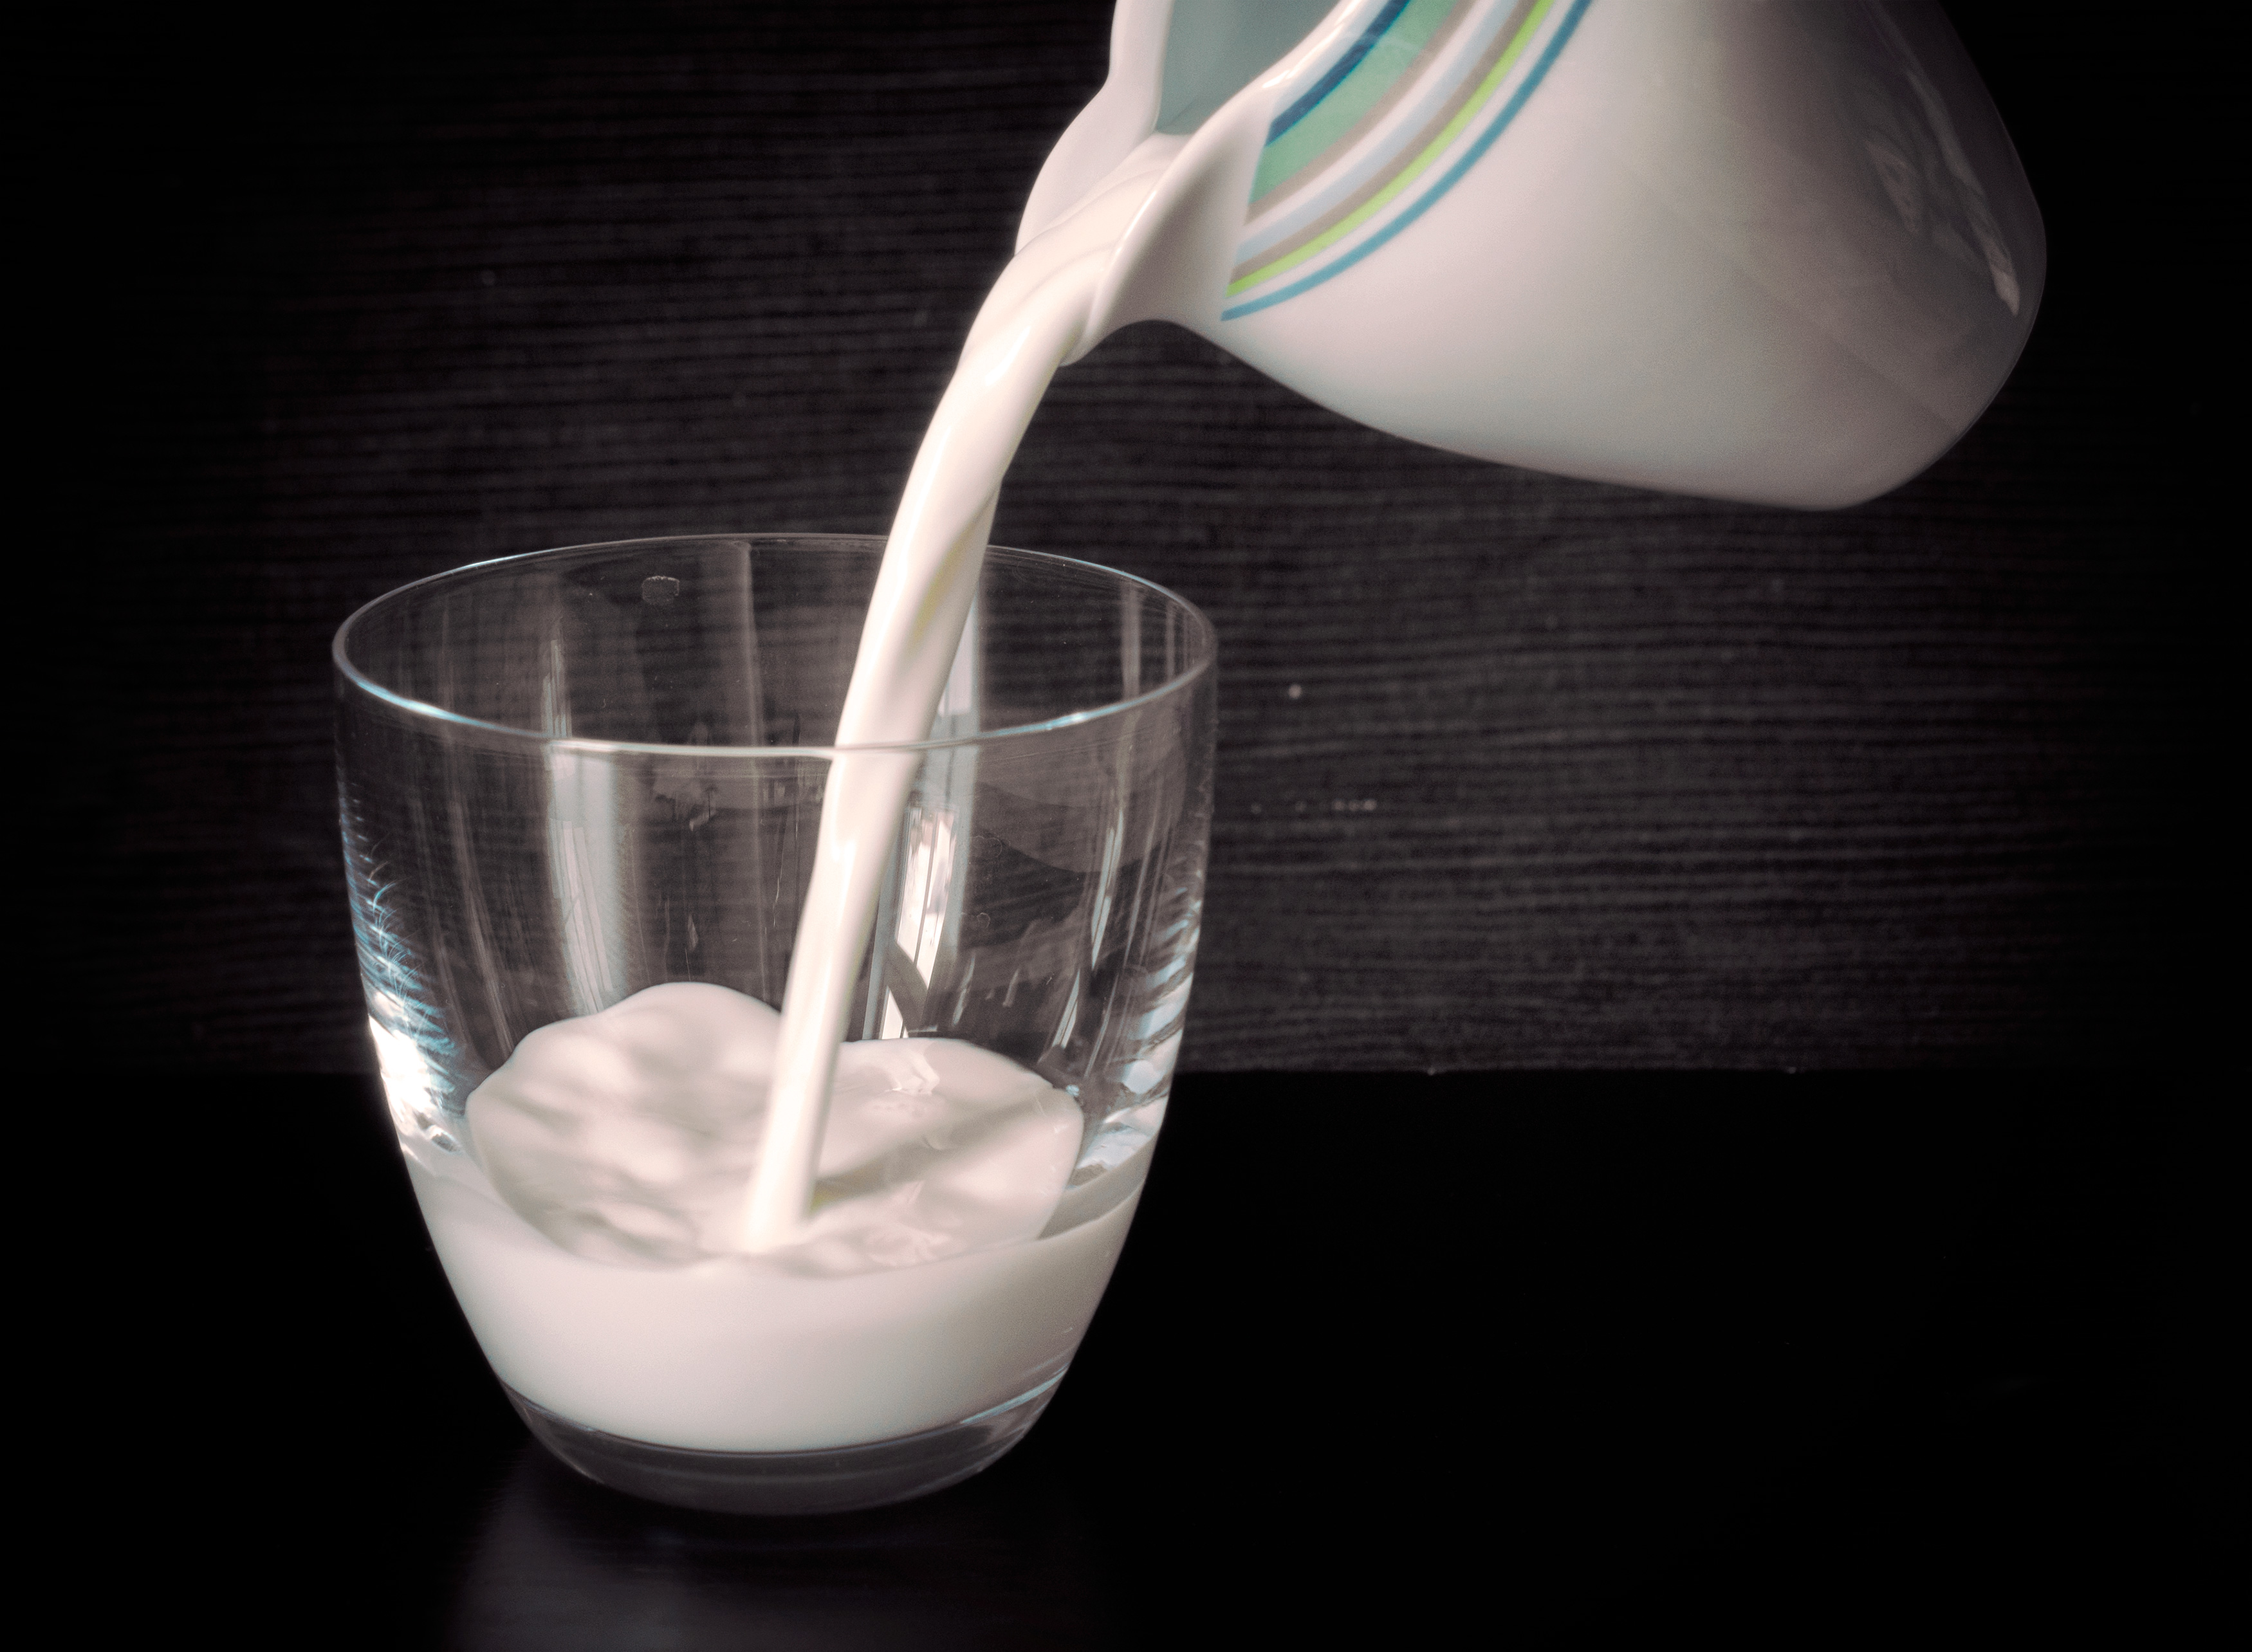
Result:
[{"x": 1766, "y": 250}]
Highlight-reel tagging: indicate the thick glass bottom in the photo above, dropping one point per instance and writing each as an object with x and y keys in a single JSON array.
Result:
[{"x": 790, "y": 1482}]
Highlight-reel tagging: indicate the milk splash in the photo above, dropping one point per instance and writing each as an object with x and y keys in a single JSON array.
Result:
[{"x": 627, "y": 1136}]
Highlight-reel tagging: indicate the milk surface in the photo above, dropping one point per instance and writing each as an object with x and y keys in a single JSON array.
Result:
[
  {"x": 629, "y": 1136},
  {"x": 590, "y": 1238}
]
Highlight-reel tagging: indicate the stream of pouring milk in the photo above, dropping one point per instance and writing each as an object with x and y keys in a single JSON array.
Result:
[{"x": 1033, "y": 319}]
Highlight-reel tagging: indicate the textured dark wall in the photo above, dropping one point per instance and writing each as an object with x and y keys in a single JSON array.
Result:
[{"x": 1516, "y": 771}]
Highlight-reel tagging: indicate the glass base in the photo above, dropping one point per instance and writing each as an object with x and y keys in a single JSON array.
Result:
[{"x": 790, "y": 1482}]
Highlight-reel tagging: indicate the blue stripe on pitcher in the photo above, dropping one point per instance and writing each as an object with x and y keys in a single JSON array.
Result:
[
  {"x": 1337, "y": 71},
  {"x": 1300, "y": 249}
]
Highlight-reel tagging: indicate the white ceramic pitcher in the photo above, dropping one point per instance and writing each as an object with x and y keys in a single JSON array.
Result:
[{"x": 1773, "y": 250}]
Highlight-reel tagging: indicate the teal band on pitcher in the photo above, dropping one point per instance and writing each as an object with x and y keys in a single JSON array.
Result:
[{"x": 1403, "y": 58}]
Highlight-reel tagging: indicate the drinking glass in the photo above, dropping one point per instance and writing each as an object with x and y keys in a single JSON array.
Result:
[{"x": 569, "y": 776}]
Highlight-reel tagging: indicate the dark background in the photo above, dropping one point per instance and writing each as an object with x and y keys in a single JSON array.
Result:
[
  {"x": 1935, "y": 783},
  {"x": 1516, "y": 772}
]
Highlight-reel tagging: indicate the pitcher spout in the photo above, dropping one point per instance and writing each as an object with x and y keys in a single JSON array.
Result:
[{"x": 1753, "y": 249}]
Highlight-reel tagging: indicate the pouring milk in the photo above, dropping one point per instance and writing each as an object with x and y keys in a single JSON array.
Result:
[{"x": 1747, "y": 250}]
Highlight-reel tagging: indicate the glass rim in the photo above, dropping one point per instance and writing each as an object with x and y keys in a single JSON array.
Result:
[{"x": 1202, "y": 631}]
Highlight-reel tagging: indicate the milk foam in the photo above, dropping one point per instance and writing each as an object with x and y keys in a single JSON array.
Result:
[{"x": 629, "y": 1136}]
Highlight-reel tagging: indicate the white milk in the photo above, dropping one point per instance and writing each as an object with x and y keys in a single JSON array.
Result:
[
  {"x": 590, "y": 1243},
  {"x": 742, "y": 1355}
]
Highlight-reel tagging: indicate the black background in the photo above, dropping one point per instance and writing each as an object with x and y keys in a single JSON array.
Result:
[
  {"x": 1930, "y": 786},
  {"x": 1575, "y": 775}
]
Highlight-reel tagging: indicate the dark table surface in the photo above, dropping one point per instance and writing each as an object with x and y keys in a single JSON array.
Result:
[{"x": 1802, "y": 1354}]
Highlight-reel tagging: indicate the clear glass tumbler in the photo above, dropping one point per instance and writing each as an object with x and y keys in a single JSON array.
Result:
[{"x": 571, "y": 776}]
